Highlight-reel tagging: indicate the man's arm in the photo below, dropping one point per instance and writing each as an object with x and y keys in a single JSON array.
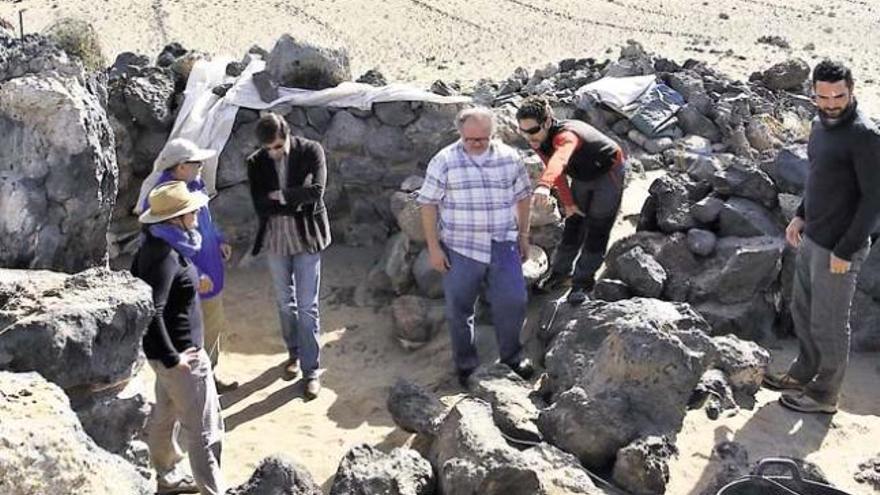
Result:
[
  {"x": 564, "y": 145},
  {"x": 523, "y": 209},
  {"x": 430, "y": 195},
  {"x": 866, "y": 161},
  {"x": 435, "y": 252},
  {"x": 260, "y": 197},
  {"x": 302, "y": 195}
]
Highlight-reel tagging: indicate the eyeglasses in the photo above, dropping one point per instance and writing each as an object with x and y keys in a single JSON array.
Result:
[
  {"x": 531, "y": 131},
  {"x": 475, "y": 140}
]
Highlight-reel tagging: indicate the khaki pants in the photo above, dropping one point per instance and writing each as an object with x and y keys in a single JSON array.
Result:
[
  {"x": 188, "y": 398},
  {"x": 214, "y": 321}
]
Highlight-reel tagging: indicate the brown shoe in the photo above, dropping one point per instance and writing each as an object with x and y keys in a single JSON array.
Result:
[
  {"x": 291, "y": 370},
  {"x": 782, "y": 381},
  {"x": 224, "y": 386},
  {"x": 313, "y": 388},
  {"x": 806, "y": 404}
]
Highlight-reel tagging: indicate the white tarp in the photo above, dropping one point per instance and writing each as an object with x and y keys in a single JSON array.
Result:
[
  {"x": 618, "y": 92},
  {"x": 206, "y": 119}
]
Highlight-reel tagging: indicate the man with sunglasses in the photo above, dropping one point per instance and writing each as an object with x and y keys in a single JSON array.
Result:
[
  {"x": 287, "y": 178},
  {"x": 595, "y": 165},
  {"x": 181, "y": 160},
  {"x": 831, "y": 228},
  {"x": 475, "y": 211}
]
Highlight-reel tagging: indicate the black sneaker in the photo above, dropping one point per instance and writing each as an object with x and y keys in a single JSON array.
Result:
[
  {"x": 553, "y": 281},
  {"x": 463, "y": 376},
  {"x": 524, "y": 368},
  {"x": 577, "y": 296}
]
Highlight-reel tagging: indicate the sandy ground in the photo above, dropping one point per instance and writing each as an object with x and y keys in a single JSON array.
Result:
[
  {"x": 422, "y": 40},
  {"x": 361, "y": 361}
]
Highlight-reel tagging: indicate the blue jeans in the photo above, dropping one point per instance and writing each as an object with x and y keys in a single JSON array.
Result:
[
  {"x": 505, "y": 293},
  {"x": 297, "y": 281}
]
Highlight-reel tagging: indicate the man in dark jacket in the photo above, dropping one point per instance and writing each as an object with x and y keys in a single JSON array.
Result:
[
  {"x": 594, "y": 163},
  {"x": 287, "y": 179},
  {"x": 831, "y": 229}
]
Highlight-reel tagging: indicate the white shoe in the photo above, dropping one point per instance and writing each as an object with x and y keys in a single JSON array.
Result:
[{"x": 174, "y": 481}]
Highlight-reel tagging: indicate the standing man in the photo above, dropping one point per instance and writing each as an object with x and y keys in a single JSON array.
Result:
[
  {"x": 467, "y": 201},
  {"x": 595, "y": 164},
  {"x": 287, "y": 180},
  {"x": 831, "y": 229},
  {"x": 181, "y": 160}
]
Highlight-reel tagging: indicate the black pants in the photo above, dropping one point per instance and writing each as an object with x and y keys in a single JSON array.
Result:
[{"x": 585, "y": 238}]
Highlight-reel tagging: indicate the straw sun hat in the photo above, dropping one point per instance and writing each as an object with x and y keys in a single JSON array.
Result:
[{"x": 170, "y": 200}]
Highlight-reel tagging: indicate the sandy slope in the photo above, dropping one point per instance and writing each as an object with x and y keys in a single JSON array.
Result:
[{"x": 421, "y": 40}]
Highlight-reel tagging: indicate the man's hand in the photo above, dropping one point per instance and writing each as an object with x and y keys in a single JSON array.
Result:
[
  {"x": 276, "y": 196},
  {"x": 205, "y": 284},
  {"x": 573, "y": 210},
  {"x": 541, "y": 197},
  {"x": 793, "y": 231},
  {"x": 838, "y": 265},
  {"x": 187, "y": 357},
  {"x": 226, "y": 251},
  {"x": 523, "y": 242},
  {"x": 438, "y": 259}
]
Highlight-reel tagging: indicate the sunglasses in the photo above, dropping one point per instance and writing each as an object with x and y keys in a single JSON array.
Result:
[
  {"x": 194, "y": 163},
  {"x": 531, "y": 131},
  {"x": 277, "y": 147},
  {"x": 476, "y": 140}
]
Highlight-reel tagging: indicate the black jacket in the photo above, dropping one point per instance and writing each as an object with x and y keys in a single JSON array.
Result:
[
  {"x": 595, "y": 154},
  {"x": 177, "y": 323},
  {"x": 303, "y": 192},
  {"x": 841, "y": 201}
]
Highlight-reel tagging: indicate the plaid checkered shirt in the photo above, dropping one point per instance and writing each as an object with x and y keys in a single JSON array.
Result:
[{"x": 476, "y": 203}]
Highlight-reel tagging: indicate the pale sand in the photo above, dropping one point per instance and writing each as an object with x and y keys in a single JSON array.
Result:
[{"x": 422, "y": 40}]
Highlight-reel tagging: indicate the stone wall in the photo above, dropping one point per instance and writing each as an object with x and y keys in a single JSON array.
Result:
[{"x": 369, "y": 152}]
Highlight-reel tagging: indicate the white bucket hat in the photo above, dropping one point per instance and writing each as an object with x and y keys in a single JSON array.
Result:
[
  {"x": 180, "y": 150},
  {"x": 170, "y": 200}
]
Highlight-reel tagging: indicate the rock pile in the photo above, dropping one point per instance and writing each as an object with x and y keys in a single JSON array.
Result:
[
  {"x": 43, "y": 448},
  {"x": 711, "y": 233},
  {"x": 60, "y": 182},
  {"x": 620, "y": 378},
  {"x": 82, "y": 333}
]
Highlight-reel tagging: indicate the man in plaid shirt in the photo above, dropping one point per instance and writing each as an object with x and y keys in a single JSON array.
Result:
[{"x": 471, "y": 190}]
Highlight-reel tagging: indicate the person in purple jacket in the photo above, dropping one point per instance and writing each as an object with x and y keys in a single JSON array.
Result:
[{"x": 181, "y": 160}]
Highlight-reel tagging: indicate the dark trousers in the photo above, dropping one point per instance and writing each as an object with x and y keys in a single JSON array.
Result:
[
  {"x": 820, "y": 309},
  {"x": 585, "y": 239},
  {"x": 505, "y": 293}
]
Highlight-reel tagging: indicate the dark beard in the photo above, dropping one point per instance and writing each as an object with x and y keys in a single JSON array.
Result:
[{"x": 842, "y": 117}]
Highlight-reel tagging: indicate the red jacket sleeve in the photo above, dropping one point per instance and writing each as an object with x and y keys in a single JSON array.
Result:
[{"x": 564, "y": 145}]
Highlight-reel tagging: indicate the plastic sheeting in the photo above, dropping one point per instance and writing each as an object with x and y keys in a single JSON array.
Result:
[
  {"x": 207, "y": 119},
  {"x": 618, "y": 93}
]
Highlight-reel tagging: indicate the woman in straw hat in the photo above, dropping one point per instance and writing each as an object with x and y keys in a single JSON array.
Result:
[{"x": 185, "y": 390}]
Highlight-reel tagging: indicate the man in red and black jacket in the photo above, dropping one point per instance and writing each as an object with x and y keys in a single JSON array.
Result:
[{"x": 595, "y": 165}]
